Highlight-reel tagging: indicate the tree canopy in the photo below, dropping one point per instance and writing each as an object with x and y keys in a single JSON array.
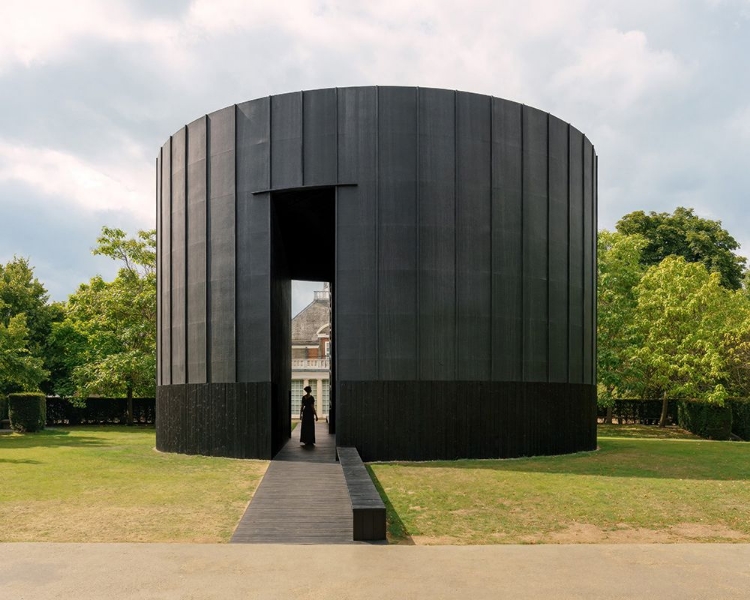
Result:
[
  {"x": 683, "y": 317},
  {"x": 19, "y": 370},
  {"x": 26, "y": 319},
  {"x": 683, "y": 233},
  {"x": 112, "y": 325},
  {"x": 620, "y": 271}
]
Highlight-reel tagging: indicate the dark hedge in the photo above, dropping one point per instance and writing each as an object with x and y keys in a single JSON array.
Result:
[
  {"x": 644, "y": 412},
  {"x": 741, "y": 417},
  {"x": 27, "y": 411},
  {"x": 99, "y": 411},
  {"x": 709, "y": 421}
]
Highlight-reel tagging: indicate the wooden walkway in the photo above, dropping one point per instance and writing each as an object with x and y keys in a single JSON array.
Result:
[{"x": 302, "y": 499}]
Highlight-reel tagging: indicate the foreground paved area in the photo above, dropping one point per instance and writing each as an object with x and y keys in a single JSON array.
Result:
[{"x": 166, "y": 571}]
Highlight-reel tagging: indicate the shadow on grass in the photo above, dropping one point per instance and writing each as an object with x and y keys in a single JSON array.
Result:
[
  {"x": 395, "y": 526},
  {"x": 48, "y": 438},
  {"x": 20, "y": 461},
  {"x": 626, "y": 458}
]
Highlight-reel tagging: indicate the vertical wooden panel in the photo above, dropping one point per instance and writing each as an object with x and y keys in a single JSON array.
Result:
[
  {"x": 535, "y": 244},
  {"x": 221, "y": 245},
  {"x": 179, "y": 257},
  {"x": 437, "y": 235},
  {"x": 595, "y": 245},
  {"x": 281, "y": 340},
  {"x": 589, "y": 267},
  {"x": 473, "y": 237},
  {"x": 166, "y": 262},
  {"x": 575, "y": 254},
  {"x": 197, "y": 319},
  {"x": 507, "y": 241},
  {"x": 253, "y": 241},
  {"x": 356, "y": 332},
  {"x": 159, "y": 272},
  {"x": 286, "y": 132},
  {"x": 397, "y": 233},
  {"x": 558, "y": 250},
  {"x": 319, "y": 127}
]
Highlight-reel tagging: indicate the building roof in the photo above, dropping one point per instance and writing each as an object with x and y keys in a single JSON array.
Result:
[{"x": 312, "y": 320}]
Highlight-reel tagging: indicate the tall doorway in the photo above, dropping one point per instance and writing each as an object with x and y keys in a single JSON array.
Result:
[{"x": 303, "y": 249}]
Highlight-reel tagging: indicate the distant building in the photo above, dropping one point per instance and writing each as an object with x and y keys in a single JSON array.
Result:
[{"x": 311, "y": 353}]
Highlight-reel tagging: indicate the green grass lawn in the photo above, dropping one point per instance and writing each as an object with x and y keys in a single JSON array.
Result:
[
  {"x": 109, "y": 484},
  {"x": 642, "y": 485}
]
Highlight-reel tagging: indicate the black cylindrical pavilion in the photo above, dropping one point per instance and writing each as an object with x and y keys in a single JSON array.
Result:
[{"x": 458, "y": 232}]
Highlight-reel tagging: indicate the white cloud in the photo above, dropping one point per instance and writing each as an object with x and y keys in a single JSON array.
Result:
[
  {"x": 98, "y": 85},
  {"x": 39, "y": 32},
  {"x": 84, "y": 185},
  {"x": 616, "y": 69},
  {"x": 739, "y": 123}
]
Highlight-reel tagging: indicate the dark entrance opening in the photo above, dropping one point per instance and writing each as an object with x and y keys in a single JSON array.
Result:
[{"x": 303, "y": 248}]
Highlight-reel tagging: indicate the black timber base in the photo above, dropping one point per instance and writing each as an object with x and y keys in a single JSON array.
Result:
[
  {"x": 446, "y": 420},
  {"x": 387, "y": 420},
  {"x": 217, "y": 419},
  {"x": 368, "y": 508}
]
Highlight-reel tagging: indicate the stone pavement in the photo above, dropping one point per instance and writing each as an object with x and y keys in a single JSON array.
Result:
[{"x": 46, "y": 571}]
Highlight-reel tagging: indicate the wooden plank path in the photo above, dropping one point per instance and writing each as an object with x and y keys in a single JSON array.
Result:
[{"x": 302, "y": 499}]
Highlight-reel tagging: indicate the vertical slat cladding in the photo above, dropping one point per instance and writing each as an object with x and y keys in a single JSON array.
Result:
[
  {"x": 595, "y": 246},
  {"x": 467, "y": 419},
  {"x": 535, "y": 244},
  {"x": 473, "y": 236},
  {"x": 558, "y": 250},
  {"x": 319, "y": 137},
  {"x": 507, "y": 242},
  {"x": 221, "y": 232},
  {"x": 286, "y": 132},
  {"x": 397, "y": 233},
  {"x": 575, "y": 252},
  {"x": 196, "y": 251},
  {"x": 178, "y": 257},
  {"x": 470, "y": 215},
  {"x": 253, "y": 241},
  {"x": 356, "y": 238},
  {"x": 166, "y": 267},
  {"x": 281, "y": 339},
  {"x": 437, "y": 276},
  {"x": 589, "y": 267},
  {"x": 159, "y": 284}
]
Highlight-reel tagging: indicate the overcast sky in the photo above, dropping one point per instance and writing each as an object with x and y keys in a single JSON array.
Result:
[{"x": 90, "y": 89}]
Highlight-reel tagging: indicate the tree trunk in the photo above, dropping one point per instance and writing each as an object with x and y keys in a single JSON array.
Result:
[
  {"x": 130, "y": 405},
  {"x": 664, "y": 409},
  {"x": 608, "y": 418}
]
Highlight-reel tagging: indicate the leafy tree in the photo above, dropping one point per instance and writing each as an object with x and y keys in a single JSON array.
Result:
[
  {"x": 112, "y": 325},
  {"x": 685, "y": 234},
  {"x": 620, "y": 271},
  {"x": 18, "y": 369},
  {"x": 682, "y": 319},
  {"x": 737, "y": 349},
  {"x": 22, "y": 295}
]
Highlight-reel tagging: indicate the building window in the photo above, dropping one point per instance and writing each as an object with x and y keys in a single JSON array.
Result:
[
  {"x": 297, "y": 393},
  {"x": 328, "y": 349},
  {"x": 326, "y": 396}
]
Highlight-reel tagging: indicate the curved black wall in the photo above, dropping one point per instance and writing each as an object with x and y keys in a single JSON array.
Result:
[{"x": 463, "y": 276}]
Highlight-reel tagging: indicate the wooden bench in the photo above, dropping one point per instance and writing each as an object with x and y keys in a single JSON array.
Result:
[{"x": 368, "y": 509}]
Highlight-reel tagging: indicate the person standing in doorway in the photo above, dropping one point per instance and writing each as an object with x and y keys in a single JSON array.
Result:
[{"x": 306, "y": 414}]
